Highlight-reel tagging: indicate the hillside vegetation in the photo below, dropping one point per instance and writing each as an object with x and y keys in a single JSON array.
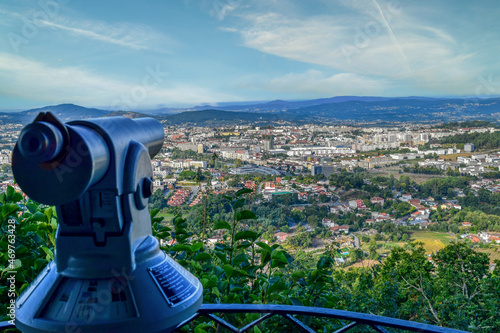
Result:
[{"x": 456, "y": 291}]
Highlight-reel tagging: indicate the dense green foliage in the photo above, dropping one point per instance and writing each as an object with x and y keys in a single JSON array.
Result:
[
  {"x": 457, "y": 291},
  {"x": 440, "y": 187},
  {"x": 32, "y": 246},
  {"x": 157, "y": 200},
  {"x": 187, "y": 175},
  {"x": 466, "y": 124},
  {"x": 275, "y": 215},
  {"x": 427, "y": 170},
  {"x": 481, "y": 140},
  {"x": 185, "y": 154}
]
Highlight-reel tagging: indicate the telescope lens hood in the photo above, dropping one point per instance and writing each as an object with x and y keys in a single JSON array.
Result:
[{"x": 40, "y": 142}]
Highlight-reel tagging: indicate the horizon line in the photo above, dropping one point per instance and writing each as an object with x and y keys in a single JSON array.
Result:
[{"x": 229, "y": 103}]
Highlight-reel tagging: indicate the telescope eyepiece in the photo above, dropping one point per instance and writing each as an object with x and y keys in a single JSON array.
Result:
[{"x": 40, "y": 142}]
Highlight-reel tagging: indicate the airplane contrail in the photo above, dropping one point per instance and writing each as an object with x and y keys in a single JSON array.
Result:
[{"x": 393, "y": 37}]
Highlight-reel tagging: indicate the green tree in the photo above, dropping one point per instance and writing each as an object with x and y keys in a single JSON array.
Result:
[
  {"x": 459, "y": 276},
  {"x": 484, "y": 195},
  {"x": 412, "y": 271},
  {"x": 323, "y": 198},
  {"x": 158, "y": 200},
  {"x": 313, "y": 220},
  {"x": 33, "y": 246},
  {"x": 234, "y": 182},
  {"x": 356, "y": 254},
  {"x": 187, "y": 175}
]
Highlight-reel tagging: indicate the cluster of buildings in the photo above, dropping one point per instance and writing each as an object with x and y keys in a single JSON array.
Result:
[
  {"x": 196, "y": 200},
  {"x": 492, "y": 185},
  {"x": 312, "y": 149},
  {"x": 320, "y": 149},
  {"x": 473, "y": 165},
  {"x": 5, "y": 156},
  {"x": 481, "y": 237},
  {"x": 179, "y": 197},
  {"x": 8, "y": 137}
]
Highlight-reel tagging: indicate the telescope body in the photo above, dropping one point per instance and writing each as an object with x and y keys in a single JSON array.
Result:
[
  {"x": 79, "y": 154},
  {"x": 109, "y": 273}
]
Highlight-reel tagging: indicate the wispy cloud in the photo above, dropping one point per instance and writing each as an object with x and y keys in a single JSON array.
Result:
[
  {"x": 363, "y": 41},
  {"x": 34, "y": 81},
  {"x": 393, "y": 36},
  {"x": 130, "y": 35},
  {"x": 134, "y": 36},
  {"x": 336, "y": 43},
  {"x": 221, "y": 8},
  {"x": 113, "y": 38},
  {"x": 9, "y": 13}
]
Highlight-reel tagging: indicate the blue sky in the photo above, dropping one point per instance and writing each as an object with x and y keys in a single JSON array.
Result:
[{"x": 133, "y": 55}]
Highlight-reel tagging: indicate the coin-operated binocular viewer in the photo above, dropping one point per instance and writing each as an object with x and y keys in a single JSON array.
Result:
[{"x": 109, "y": 273}]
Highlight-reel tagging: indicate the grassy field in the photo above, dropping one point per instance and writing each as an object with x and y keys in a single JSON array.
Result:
[
  {"x": 493, "y": 253},
  {"x": 453, "y": 157},
  {"x": 384, "y": 248},
  {"x": 433, "y": 241},
  {"x": 187, "y": 183},
  {"x": 166, "y": 217},
  {"x": 365, "y": 263},
  {"x": 418, "y": 178}
]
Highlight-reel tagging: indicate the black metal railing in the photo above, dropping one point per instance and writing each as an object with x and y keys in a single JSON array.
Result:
[{"x": 347, "y": 320}]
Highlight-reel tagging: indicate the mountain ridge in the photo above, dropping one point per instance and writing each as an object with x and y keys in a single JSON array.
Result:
[{"x": 350, "y": 109}]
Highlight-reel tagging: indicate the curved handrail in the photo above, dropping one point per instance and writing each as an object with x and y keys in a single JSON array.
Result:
[{"x": 289, "y": 311}]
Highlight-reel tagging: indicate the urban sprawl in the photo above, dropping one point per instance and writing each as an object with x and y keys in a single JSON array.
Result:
[{"x": 275, "y": 160}]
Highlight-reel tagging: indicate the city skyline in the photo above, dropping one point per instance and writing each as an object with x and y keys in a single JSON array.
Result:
[{"x": 135, "y": 56}]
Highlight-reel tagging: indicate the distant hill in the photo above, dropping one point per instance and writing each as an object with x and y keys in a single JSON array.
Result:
[
  {"x": 404, "y": 110},
  {"x": 128, "y": 114},
  {"x": 351, "y": 109},
  {"x": 211, "y": 117},
  {"x": 63, "y": 112},
  {"x": 162, "y": 111},
  {"x": 272, "y": 106},
  {"x": 285, "y": 105},
  {"x": 380, "y": 110}
]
